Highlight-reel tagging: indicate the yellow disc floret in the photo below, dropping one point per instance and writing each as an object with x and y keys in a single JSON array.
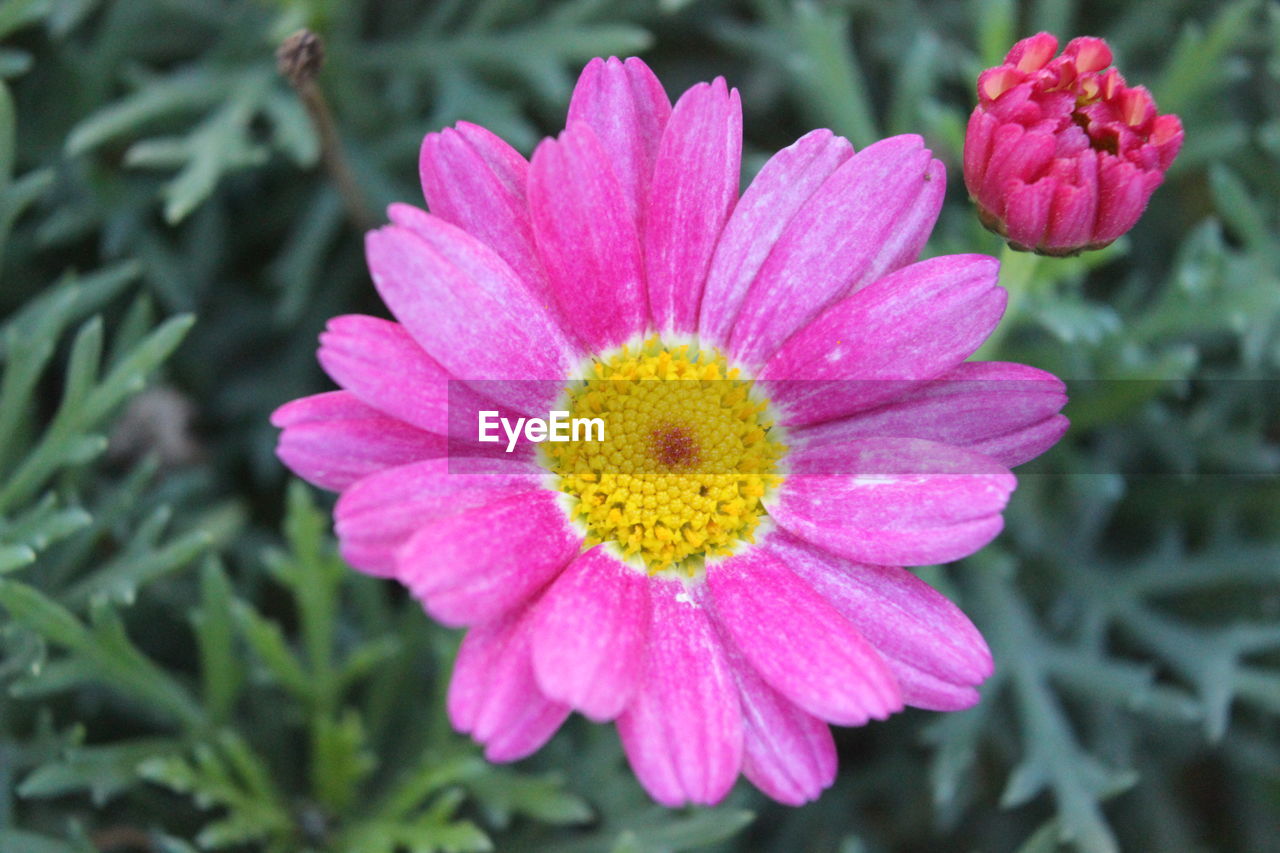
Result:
[{"x": 687, "y": 455}]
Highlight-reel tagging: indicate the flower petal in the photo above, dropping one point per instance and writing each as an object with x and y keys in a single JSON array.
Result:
[
  {"x": 626, "y": 107},
  {"x": 473, "y": 566},
  {"x": 1022, "y": 445},
  {"x": 933, "y": 649},
  {"x": 1123, "y": 192},
  {"x": 893, "y": 501},
  {"x": 914, "y": 324},
  {"x": 1075, "y": 204},
  {"x": 378, "y": 514},
  {"x": 778, "y": 192},
  {"x": 378, "y": 362},
  {"x": 871, "y": 216},
  {"x": 332, "y": 439},
  {"x": 682, "y": 731},
  {"x": 1026, "y": 211},
  {"x": 493, "y": 695},
  {"x": 587, "y": 238},
  {"x": 474, "y": 180},
  {"x": 467, "y": 309},
  {"x": 589, "y": 635},
  {"x": 1006, "y": 411},
  {"x": 977, "y": 147},
  {"x": 1016, "y": 154},
  {"x": 695, "y": 184},
  {"x": 798, "y": 642},
  {"x": 787, "y": 753}
]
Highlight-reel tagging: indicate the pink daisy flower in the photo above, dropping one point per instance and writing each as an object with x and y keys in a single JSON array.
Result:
[{"x": 721, "y": 574}]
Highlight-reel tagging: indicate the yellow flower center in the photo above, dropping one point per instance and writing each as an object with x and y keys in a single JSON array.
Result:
[{"x": 688, "y": 453}]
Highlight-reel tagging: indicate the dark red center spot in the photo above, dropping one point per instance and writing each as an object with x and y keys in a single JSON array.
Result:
[{"x": 674, "y": 447}]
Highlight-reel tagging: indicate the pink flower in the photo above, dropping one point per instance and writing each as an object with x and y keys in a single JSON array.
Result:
[
  {"x": 1060, "y": 154},
  {"x": 721, "y": 575}
]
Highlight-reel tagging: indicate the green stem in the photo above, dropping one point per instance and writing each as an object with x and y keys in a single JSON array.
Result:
[{"x": 1017, "y": 272}]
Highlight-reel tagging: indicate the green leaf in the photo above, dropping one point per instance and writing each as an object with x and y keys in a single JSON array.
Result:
[
  {"x": 8, "y": 135},
  {"x": 226, "y": 774},
  {"x": 272, "y": 649},
  {"x": 1241, "y": 213},
  {"x": 1198, "y": 63},
  {"x": 119, "y": 580},
  {"x": 503, "y": 794},
  {"x": 175, "y": 94},
  {"x": 829, "y": 68},
  {"x": 103, "y": 771},
  {"x": 701, "y": 829},
  {"x": 17, "y": 196},
  {"x": 44, "y": 524},
  {"x": 109, "y": 658},
  {"x": 15, "y": 557},
  {"x": 221, "y": 671},
  {"x": 16, "y": 14},
  {"x": 1052, "y": 757},
  {"x": 458, "y": 837},
  {"x": 997, "y": 28},
  {"x": 415, "y": 788},
  {"x": 29, "y": 842},
  {"x": 341, "y": 760},
  {"x": 83, "y": 408}
]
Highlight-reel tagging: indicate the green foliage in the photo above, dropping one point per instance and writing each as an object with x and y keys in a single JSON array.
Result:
[
  {"x": 221, "y": 143},
  {"x": 217, "y": 754},
  {"x": 187, "y": 664}
]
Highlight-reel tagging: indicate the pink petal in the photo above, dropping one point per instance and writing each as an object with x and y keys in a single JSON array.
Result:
[
  {"x": 933, "y": 649},
  {"x": 625, "y": 106},
  {"x": 381, "y": 364},
  {"x": 798, "y": 642},
  {"x": 1016, "y": 154},
  {"x": 1019, "y": 446},
  {"x": 589, "y": 635},
  {"x": 787, "y": 753},
  {"x": 977, "y": 148},
  {"x": 378, "y": 514},
  {"x": 682, "y": 731},
  {"x": 914, "y": 324},
  {"x": 695, "y": 184},
  {"x": 1034, "y": 52},
  {"x": 1006, "y": 411},
  {"x": 478, "y": 564},
  {"x": 1167, "y": 138},
  {"x": 331, "y": 440},
  {"x": 1026, "y": 217},
  {"x": 587, "y": 238},
  {"x": 1075, "y": 204},
  {"x": 474, "y": 180},
  {"x": 778, "y": 192},
  {"x": 378, "y": 362},
  {"x": 893, "y": 501},
  {"x": 493, "y": 695},
  {"x": 871, "y": 216},
  {"x": 1123, "y": 192},
  {"x": 467, "y": 309}
]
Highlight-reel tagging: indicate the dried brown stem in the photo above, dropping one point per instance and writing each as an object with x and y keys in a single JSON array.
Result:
[{"x": 299, "y": 59}]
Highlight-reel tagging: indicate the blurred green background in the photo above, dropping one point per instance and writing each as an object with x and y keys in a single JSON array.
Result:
[{"x": 186, "y": 665}]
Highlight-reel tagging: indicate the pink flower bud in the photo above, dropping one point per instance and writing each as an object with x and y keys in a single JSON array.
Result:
[{"x": 1061, "y": 155}]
